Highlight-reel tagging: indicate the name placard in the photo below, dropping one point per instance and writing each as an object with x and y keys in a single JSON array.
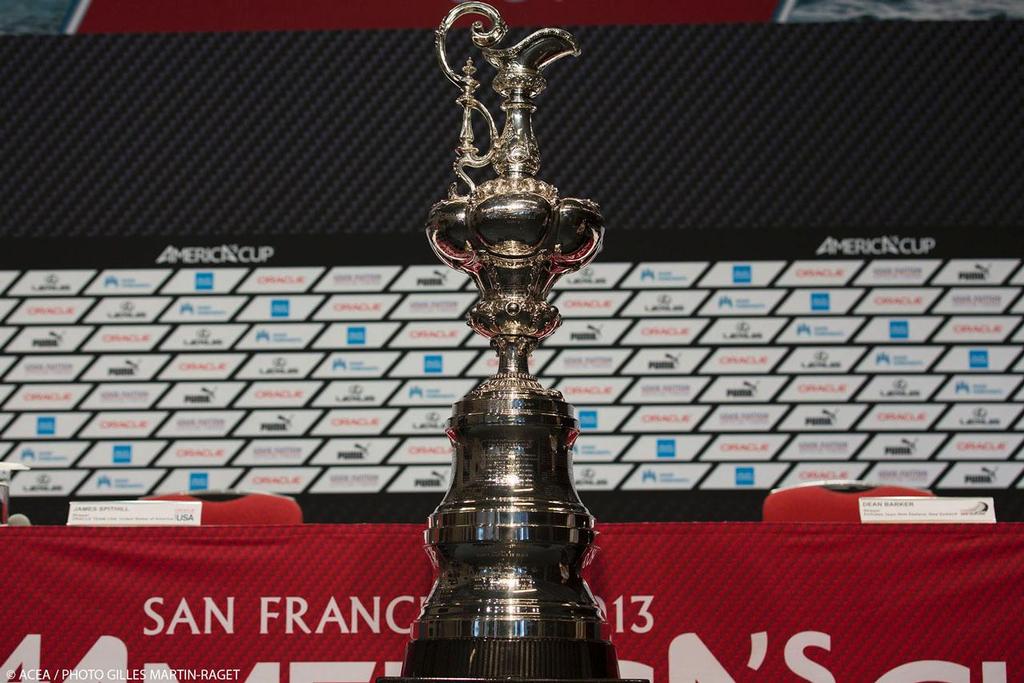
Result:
[
  {"x": 922, "y": 510},
  {"x": 135, "y": 513}
]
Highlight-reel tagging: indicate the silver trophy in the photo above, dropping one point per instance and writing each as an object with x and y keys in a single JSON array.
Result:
[{"x": 511, "y": 536}]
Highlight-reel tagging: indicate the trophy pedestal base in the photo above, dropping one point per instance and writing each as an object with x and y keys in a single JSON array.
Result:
[{"x": 519, "y": 659}]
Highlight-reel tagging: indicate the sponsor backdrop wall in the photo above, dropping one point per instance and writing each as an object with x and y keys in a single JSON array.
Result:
[{"x": 214, "y": 274}]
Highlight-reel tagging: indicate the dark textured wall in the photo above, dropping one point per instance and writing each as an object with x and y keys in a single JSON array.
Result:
[{"x": 763, "y": 126}]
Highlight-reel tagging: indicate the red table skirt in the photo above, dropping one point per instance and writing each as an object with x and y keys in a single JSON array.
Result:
[{"x": 693, "y": 603}]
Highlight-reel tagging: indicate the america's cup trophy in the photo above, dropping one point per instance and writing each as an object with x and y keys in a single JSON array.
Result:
[{"x": 511, "y": 536}]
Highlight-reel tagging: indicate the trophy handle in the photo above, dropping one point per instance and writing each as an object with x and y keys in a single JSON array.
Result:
[{"x": 468, "y": 155}]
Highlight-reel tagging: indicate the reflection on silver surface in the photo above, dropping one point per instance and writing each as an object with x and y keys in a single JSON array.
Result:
[{"x": 511, "y": 536}]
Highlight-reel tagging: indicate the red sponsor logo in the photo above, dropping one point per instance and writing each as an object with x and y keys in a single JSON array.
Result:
[
  {"x": 587, "y": 304},
  {"x": 50, "y": 310},
  {"x": 983, "y": 446},
  {"x": 278, "y": 480},
  {"x": 588, "y": 390},
  {"x": 822, "y": 388},
  {"x": 200, "y": 452},
  {"x": 978, "y": 328},
  {"x": 357, "y": 306},
  {"x": 430, "y": 450},
  {"x": 30, "y": 396},
  {"x": 281, "y": 279},
  {"x": 665, "y": 331},
  {"x": 666, "y": 418},
  {"x": 745, "y": 447},
  {"x": 127, "y": 337},
  {"x": 281, "y": 394},
  {"x": 434, "y": 334},
  {"x": 820, "y": 475},
  {"x": 355, "y": 421},
  {"x": 898, "y": 300},
  {"x": 123, "y": 424},
  {"x": 748, "y": 359},
  {"x": 202, "y": 366},
  {"x": 900, "y": 416},
  {"x": 814, "y": 272}
]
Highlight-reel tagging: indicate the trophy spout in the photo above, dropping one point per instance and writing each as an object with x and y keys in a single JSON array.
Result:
[{"x": 520, "y": 66}]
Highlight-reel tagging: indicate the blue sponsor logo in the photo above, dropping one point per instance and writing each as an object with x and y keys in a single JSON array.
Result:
[
  {"x": 588, "y": 419},
  {"x": 899, "y": 329},
  {"x": 355, "y": 336},
  {"x": 977, "y": 358},
  {"x": 280, "y": 308},
  {"x": 198, "y": 481},
  {"x": 122, "y": 454},
  {"x": 744, "y": 476},
  {"x": 204, "y": 281},
  {"x": 665, "y": 448},
  {"x": 433, "y": 364},
  {"x": 742, "y": 274},
  {"x": 111, "y": 281},
  {"x": 820, "y": 301},
  {"x": 46, "y": 425}
]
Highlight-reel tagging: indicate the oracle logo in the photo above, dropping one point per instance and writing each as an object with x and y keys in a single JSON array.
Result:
[
  {"x": 588, "y": 304},
  {"x": 355, "y": 421},
  {"x": 665, "y": 331},
  {"x": 821, "y": 388},
  {"x": 749, "y": 359},
  {"x": 898, "y": 300},
  {"x": 281, "y": 279},
  {"x": 45, "y": 396},
  {"x": 977, "y": 328},
  {"x": 987, "y": 446},
  {"x": 819, "y": 272},
  {"x": 588, "y": 390},
  {"x": 202, "y": 366},
  {"x": 50, "y": 310},
  {"x": 357, "y": 306},
  {"x": 906, "y": 416},
  {"x": 665, "y": 418},
  {"x": 824, "y": 475},
  {"x": 124, "y": 424},
  {"x": 283, "y": 394},
  {"x": 278, "y": 479},
  {"x": 434, "y": 334},
  {"x": 744, "y": 447},
  {"x": 430, "y": 450},
  {"x": 199, "y": 452},
  {"x": 127, "y": 338}
]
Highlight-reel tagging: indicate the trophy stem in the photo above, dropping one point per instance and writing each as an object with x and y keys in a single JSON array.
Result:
[{"x": 513, "y": 354}]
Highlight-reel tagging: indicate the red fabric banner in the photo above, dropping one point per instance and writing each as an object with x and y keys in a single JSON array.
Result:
[
  {"x": 132, "y": 16},
  {"x": 686, "y": 603}
]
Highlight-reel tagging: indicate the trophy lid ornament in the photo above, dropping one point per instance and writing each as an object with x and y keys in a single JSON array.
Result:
[
  {"x": 511, "y": 536},
  {"x": 512, "y": 234}
]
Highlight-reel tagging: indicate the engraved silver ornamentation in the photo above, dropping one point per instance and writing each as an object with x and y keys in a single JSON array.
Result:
[{"x": 511, "y": 536}]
